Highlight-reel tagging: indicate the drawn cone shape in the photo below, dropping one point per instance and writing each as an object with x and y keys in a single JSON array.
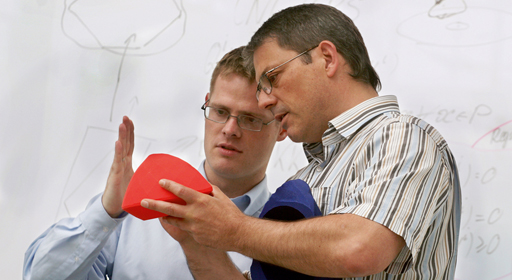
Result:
[
  {"x": 108, "y": 25},
  {"x": 124, "y": 27},
  {"x": 447, "y": 8},
  {"x": 144, "y": 184}
]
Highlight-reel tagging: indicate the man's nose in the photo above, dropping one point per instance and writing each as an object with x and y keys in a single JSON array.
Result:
[
  {"x": 266, "y": 101},
  {"x": 231, "y": 127}
]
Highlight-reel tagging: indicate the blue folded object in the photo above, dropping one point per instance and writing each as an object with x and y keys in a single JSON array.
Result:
[{"x": 292, "y": 201}]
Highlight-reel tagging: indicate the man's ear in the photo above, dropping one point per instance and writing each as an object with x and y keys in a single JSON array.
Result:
[
  {"x": 207, "y": 97},
  {"x": 282, "y": 134},
  {"x": 331, "y": 57}
]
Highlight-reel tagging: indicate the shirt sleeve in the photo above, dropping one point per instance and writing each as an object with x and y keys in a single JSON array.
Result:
[
  {"x": 401, "y": 187},
  {"x": 75, "y": 248}
]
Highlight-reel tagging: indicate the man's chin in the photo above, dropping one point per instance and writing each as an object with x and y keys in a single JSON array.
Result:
[
  {"x": 298, "y": 137},
  {"x": 295, "y": 137},
  {"x": 226, "y": 167}
]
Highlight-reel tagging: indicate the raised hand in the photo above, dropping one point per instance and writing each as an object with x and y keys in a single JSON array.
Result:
[{"x": 121, "y": 171}]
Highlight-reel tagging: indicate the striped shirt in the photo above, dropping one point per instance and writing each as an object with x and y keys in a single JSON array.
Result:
[{"x": 398, "y": 171}]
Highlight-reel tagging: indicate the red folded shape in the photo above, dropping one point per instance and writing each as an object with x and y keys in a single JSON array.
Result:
[{"x": 144, "y": 184}]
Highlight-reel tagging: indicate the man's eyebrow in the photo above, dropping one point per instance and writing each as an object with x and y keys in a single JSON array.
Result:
[
  {"x": 242, "y": 112},
  {"x": 268, "y": 68},
  {"x": 273, "y": 68}
]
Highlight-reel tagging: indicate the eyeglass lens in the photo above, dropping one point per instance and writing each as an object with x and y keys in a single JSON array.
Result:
[
  {"x": 264, "y": 85},
  {"x": 222, "y": 116}
]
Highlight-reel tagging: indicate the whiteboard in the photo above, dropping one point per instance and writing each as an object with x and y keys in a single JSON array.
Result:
[{"x": 70, "y": 69}]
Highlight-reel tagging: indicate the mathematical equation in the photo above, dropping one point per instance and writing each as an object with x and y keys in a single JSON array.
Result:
[
  {"x": 476, "y": 241},
  {"x": 483, "y": 227},
  {"x": 449, "y": 116}
]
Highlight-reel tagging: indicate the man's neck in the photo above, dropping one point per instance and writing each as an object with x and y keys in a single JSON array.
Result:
[{"x": 232, "y": 187}]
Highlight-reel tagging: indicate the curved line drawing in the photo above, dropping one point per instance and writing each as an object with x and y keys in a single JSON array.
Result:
[
  {"x": 354, "y": 14},
  {"x": 489, "y": 132},
  {"x": 503, "y": 276},
  {"x": 132, "y": 37},
  {"x": 389, "y": 63},
  {"x": 214, "y": 54},
  {"x": 86, "y": 165},
  {"x": 447, "y": 8},
  {"x": 124, "y": 27},
  {"x": 108, "y": 24},
  {"x": 255, "y": 10},
  {"x": 457, "y": 26}
]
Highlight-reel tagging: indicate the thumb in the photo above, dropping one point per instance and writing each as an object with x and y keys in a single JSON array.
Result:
[{"x": 216, "y": 192}]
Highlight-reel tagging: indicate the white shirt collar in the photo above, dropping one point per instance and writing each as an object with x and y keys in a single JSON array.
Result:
[{"x": 251, "y": 203}]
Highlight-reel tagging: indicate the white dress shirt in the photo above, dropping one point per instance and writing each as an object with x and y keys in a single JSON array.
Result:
[{"x": 94, "y": 245}]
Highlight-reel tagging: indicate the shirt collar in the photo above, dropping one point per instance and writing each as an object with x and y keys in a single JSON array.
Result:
[
  {"x": 349, "y": 122},
  {"x": 251, "y": 203}
]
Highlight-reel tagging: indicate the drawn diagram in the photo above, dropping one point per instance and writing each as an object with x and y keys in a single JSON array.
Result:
[
  {"x": 498, "y": 138},
  {"x": 124, "y": 27},
  {"x": 484, "y": 236},
  {"x": 90, "y": 168},
  {"x": 258, "y": 11},
  {"x": 214, "y": 54},
  {"x": 484, "y": 231},
  {"x": 453, "y": 23},
  {"x": 447, "y": 8}
]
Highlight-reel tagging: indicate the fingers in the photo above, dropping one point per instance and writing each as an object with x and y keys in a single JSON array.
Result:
[
  {"x": 122, "y": 138},
  {"x": 126, "y": 139},
  {"x": 216, "y": 192},
  {"x": 170, "y": 209},
  {"x": 190, "y": 196},
  {"x": 130, "y": 136},
  {"x": 118, "y": 155},
  {"x": 124, "y": 135},
  {"x": 171, "y": 229},
  {"x": 171, "y": 223},
  {"x": 187, "y": 194}
]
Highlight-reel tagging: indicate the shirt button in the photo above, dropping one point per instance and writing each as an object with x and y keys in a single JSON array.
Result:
[
  {"x": 77, "y": 259},
  {"x": 105, "y": 229},
  {"x": 319, "y": 168}
]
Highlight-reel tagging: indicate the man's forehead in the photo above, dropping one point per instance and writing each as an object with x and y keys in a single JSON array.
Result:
[
  {"x": 270, "y": 55},
  {"x": 265, "y": 56}
]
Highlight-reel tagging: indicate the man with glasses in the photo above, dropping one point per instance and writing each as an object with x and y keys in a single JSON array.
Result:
[
  {"x": 105, "y": 241},
  {"x": 386, "y": 183}
]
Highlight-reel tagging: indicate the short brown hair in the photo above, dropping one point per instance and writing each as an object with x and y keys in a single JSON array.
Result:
[
  {"x": 231, "y": 63},
  {"x": 304, "y": 26}
]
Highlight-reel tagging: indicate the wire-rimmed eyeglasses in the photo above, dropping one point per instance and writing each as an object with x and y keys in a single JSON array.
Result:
[
  {"x": 246, "y": 122},
  {"x": 265, "y": 85}
]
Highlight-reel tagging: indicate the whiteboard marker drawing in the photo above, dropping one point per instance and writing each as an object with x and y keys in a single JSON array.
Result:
[{"x": 124, "y": 27}]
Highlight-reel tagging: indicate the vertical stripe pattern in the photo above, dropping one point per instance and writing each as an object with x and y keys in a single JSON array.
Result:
[{"x": 398, "y": 171}]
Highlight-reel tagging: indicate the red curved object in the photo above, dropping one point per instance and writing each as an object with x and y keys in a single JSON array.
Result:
[{"x": 144, "y": 184}]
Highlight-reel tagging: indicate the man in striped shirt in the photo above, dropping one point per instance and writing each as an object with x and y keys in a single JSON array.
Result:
[{"x": 386, "y": 183}]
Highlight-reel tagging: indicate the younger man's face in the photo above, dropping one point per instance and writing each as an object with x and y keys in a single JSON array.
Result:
[{"x": 233, "y": 152}]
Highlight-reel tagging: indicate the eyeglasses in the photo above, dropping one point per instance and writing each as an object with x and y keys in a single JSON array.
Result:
[
  {"x": 265, "y": 85},
  {"x": 222, "y": 116}
]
